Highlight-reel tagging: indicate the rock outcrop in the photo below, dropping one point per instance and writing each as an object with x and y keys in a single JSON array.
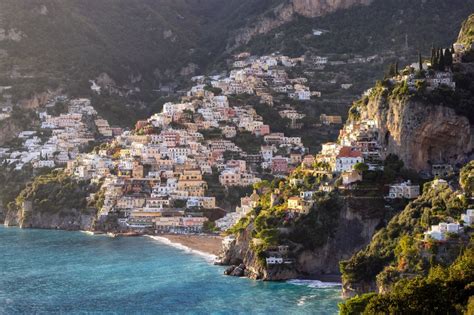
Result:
[
  {"x": 11, "y": 35},
  {"x": 8, "y": 131},
  {"x": 9, "y": 128},
  {"x": 67, "y": 219},
  {"x": 358, "y": 220},
  {"x": 286, "y": 12},
  {"x": 313, "y": 8},
  {"x": 421, "y": 134}
]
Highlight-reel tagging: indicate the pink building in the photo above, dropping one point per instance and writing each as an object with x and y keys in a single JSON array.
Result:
[
  {"x": 262, "y": 130},
  {"x": 279, "y": 165}
]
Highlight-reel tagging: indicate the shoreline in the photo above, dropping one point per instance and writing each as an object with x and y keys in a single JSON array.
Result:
[{"x": 207, "y": 246}]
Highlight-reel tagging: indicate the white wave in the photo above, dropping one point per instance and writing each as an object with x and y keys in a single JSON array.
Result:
[
  {"x": 302, "y": 300},
  {"x": 164, "y": 240},
  {"x": 316, "y": 284}
]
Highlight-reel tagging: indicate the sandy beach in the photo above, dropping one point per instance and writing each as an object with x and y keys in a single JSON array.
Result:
[{"x": 209, "y": 244}]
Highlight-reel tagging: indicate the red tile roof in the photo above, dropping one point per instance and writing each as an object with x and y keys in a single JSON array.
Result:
[{"x": 349, "y": 152}]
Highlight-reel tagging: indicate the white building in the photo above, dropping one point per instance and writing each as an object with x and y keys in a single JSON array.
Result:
[
  {"x": 468, "y": 217},
  {"x": 347, "y": 158},
  {"x": 274, "y": 260},
  {"x": 439, "y": 232},
  {"x": 404, "y": 190}
]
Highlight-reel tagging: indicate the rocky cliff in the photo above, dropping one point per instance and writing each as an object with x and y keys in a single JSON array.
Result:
[
  {"x": 24, "y": 117},
  {"x": 53, "y": 201},
  {"x": 9, "y": 130},
  {"x": 356, "y": 222},
  {"x": 287, "y": 11},
  {"x": 67, "y": 219},
  {"x": 421, "y": 134}
]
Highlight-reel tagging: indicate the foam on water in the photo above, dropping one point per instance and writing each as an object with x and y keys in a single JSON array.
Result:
[{"x": 316, "y": 284}]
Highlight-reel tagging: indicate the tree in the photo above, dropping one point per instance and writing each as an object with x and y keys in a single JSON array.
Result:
[
  {"x": 434, "y": 58},
  {"x": 392, "y": 71},
  {"x": 396, "y": 67},
  {"x": 361, "y": 167},
  {"x": 448, "y": 58},
  {"x": 442, "y": 64},
  {"x": 420, "y": 62}
]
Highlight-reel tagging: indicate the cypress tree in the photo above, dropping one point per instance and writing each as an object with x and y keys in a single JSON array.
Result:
[
  {"x": 391, "y": 70},
  {"x": 396, "y": 68},
  {"x": 433, "y": 56},
  {"x": 434, "y": 59},
  {"x": 448, "y": 58},
  {"x": 442, "y": 64},
  {"x": 420, "y": 62}
]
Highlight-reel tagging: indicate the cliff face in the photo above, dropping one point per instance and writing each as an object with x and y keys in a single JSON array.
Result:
[
  {"x": 8, "y": 131},
  {"x": 10, "y": 128},
  {"x": 67, "y": 219},
  {"x": 357, "y": 222},
  {"x": 286, "y": 12},
  {"x": 313, "y": 8},
  {"x": 419, "y": 133}
]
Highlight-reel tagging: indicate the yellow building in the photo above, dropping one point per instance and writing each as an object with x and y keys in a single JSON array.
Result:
[
  {"x": 298, "y": 205},
  {"x": 191, "y": 181}
]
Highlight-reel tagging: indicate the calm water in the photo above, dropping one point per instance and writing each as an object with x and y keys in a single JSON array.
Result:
[{"x": 69, "y": 272}]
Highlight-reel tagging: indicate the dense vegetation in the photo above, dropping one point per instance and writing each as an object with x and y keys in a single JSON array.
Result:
[
  {"x": 445, "y": 290},
  {"x": 381, "y": 26},
  {"x": 467, "y": 32},
  {"x": 273, "y": 225},
  {"x": 56, "y": 193},
  {"x": 16, "y": 180},
  {"x": 400, "y": 264}
]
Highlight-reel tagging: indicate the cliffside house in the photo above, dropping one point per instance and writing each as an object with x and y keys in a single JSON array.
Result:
[
  {"x": 272, "y": 260},
  {"x": 351, "y": 177},
  {"x": 442, "y": 170},
  {"x": 347, "y": 158},
  {"x": 440, "y": 231},
  {"x": 404, "y": 190},
  {"x": 299, "y": 205},
  {"x": 468, "y": 217}
]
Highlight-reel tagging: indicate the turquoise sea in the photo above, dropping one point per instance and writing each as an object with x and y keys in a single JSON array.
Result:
[{"x": 44, "y": 272}]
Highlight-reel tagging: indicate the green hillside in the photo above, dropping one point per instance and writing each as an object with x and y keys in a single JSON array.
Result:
[
  {"x": 383, "y": 25},
  {"x": 466, "y": 36},
  {"x": 145, "y": 44},
  {"x": 416, "y": 275}
]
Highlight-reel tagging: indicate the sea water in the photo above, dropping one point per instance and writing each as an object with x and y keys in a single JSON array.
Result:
[{"x": 44, "y": 272}]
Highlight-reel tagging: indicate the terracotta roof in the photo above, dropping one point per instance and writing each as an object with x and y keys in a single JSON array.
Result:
[{"x": 349, "y": 152}]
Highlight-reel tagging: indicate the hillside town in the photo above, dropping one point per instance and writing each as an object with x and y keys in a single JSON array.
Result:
[
  {"x": 157, "y": 177},
  {"x": 60, "y": 138}
]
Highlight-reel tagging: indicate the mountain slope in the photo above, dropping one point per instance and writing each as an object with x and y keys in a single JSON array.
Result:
[
  {"x": 370, "y": 29},
  {"x": 83, "y": 38}
]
